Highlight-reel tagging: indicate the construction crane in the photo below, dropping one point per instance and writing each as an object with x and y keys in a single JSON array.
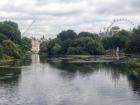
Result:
[{"x": 28, "y": 27}]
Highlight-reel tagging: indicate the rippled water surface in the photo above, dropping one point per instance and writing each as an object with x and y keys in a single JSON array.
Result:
[{"x": 61, "y": 83}]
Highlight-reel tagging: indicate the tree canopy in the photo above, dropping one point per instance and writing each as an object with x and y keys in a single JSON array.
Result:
[
  {"x": 70, "y": 43},
  {"x": 11, "y": 43},
  {"x": 10, "y": 30},
  {"x": 26, "y": 44},
  {"x": 119, "y": 39},
  {"x": 133, "y": 45},
  {"x": 10, "y": 49}
]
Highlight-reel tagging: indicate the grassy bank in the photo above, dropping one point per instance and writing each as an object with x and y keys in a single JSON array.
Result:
[{"x": 134, "y": 62}]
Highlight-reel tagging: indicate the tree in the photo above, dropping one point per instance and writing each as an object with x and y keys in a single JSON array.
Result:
[
  {"x": 90, "y": 45},
  {"x": 10, "y": 49},
  {"x": 133, "y": 45},
  {"x": 120, "y": 39},
  {"x": 56, "y": 49},
  {"x": 10, "y": 41},
  {"x": 13, "y": 24},
  {"x": 72, "y": 51},
  {"x": 69, "y": 34},
  {"x": 1, "y": 52},
  {"x": 50, "y": 47},
  {"x": 88, "y": 34},
  {"x": 2, "y": 37},
  {"x": 69, "y": 43},
  {"x": 11, "y": 31},
  {"x": 43, "y": 47},
  {"x": 26, "y": 44}
]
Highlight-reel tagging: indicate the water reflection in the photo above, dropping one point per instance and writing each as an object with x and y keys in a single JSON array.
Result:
[
  {"x": 9, "y": 75},
  {"x": 115, "y": 71},
  {"x": 9, "y": 81},
  {"x": 35, "y": 58},
  {"x": 134, "y": 81},
  {"x": 42, "y": 82}
]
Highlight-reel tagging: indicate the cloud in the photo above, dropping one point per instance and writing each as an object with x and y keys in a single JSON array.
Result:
[
  {"x": 119, "y": 7},
  {"x": 53, "y": 16}
]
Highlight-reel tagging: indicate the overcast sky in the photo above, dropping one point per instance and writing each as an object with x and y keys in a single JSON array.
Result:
[{"x": 53, "y": 16}]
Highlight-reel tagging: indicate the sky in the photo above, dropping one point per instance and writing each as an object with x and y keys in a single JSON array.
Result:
[{"x": 50, "y": 17}]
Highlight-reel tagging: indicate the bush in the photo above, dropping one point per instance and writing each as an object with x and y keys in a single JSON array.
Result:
[
  {"x": 10, "y": 49},
  {"x": 133, "y": 45}
]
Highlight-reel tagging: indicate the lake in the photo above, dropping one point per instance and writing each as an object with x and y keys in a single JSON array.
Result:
[{"x": 43, "y": 82}]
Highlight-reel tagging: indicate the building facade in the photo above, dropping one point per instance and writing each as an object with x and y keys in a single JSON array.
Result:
[{"x": 35, "y": 45}]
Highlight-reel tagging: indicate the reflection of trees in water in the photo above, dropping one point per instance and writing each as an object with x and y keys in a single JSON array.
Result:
[
  {"x": 118, "y": 70},
  {"x": 74, "y": 67},
  {"x": 9, "y": 81},
  {"x": 85, "y": 69},
  {"x": 69, "y": 70},
  {"x": 134, "y": 81},
  {"x": 16, "y": 63},
  {"x": 115, "y": 70},
  {"x": 9, "y": 75},
  {"x": 132, "y": 75}
]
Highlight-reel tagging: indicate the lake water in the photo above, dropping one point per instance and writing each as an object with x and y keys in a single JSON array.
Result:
[{"x": 39, "y": 82}]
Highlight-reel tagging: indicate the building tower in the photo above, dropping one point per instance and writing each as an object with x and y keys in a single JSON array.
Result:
[{"x": 35, "y": 45}]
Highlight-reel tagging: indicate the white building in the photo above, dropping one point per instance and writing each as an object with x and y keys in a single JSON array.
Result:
[{"x": 35, "y": 45}]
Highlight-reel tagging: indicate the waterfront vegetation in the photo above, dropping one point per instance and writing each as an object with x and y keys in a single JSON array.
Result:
[
  {"x": 85, "y": 43},
  {"x": 69, "y": 62},
  {"x": 69, "y": 43},
  {"x": 12, "y": 46},
  {"x": 134, "y": 62}
]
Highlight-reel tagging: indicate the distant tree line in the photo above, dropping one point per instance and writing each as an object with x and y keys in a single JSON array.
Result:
[
  {"x": 127, "y": 41},
  {"x": 12, "y": 46},
  {"x": 85, "y": 43},
  {"x": 69, "y": 43}
]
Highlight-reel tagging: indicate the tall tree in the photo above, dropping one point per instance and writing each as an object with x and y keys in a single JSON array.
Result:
[
  {"x": 134, "y": 42},
  {"x": 69, "y": 34},
  {"x": 120, "y": 39},
  {"x": 11, "y": 31},
  {"x": 26, "y": 44}
]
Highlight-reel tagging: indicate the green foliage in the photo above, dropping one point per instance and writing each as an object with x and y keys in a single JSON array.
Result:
[
  {"x": 10, "y": 49},
  {"x": 120, "y": 39},
  {"x": 134, "y": 62},
  {"x": 44, "y": 47},
  {"x": 50, "y": 47},
  {"x": 56, "y": 49},
  {"x": 72, "y": 51},
  {"x": 11, "y": 31},
  {"x": 69, "y": 34},
  {"x": 88, "y": 34},
  {"x": 90, "y": 45},
  {"x": 69, "y": 43},
  {"x": 15, "y": 25},
  {"x": 10, "y": 41},
  {"x": 133, "y": 45},
  {"x": 1, "y": 52},
  {"x": 2, "y": 37},
  {"x": 26, "y": 44}
]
